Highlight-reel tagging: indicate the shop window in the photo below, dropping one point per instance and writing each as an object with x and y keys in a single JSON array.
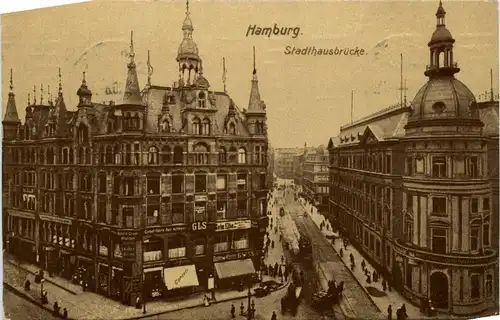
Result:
[
  {"x": 221, "y": 210},
  {"x": 241, "y": 181},
  {"x": 439, "y": 167},
  {"x": 200, "y": 211},
  {"x": 240, "y": 240},
  {"x": 177, "y": 183},
  {"x": 177, "y": 213},
  {"x": 176, "y": 247},
  {"x": 475, "y": 287},
  {"x": 221, "y": 243},
  {"x": 439, "y": 240},
  {"x": 200, "y": 183},
  {"x": 439, "y": 206},
  {"x": 153, "y": 250},
  {"x": 199, "y": 244},
  {"x": 128, "y": 217},
  {"x": 221, "y": 183}
]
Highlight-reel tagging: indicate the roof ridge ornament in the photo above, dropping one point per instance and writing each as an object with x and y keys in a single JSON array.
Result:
[{"x": 11, "y": 86}]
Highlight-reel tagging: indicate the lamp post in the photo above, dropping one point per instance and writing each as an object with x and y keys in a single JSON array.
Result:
[
  {"x": 249, "y": 311},
  {"x": 143, "y": 293},
  {"x": 41, "y": 289}
]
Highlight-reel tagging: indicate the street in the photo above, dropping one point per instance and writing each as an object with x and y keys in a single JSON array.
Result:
[{"x": 17, "y": 308}]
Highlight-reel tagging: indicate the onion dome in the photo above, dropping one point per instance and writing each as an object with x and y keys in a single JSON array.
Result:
[
  {"x": 187, "y": 48},
  {"x": 441, "y": 34}
]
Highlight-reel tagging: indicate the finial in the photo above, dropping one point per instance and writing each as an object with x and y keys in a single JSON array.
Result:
[
  {"x": 491, "y": 85},
  {"x": 131, "y": 54},
  {"x": 49, "y": 96},
  {"x": 405, "y": 88},
  {"x": 84, "y": 82},
  {"x": 254, "y": 69},
  {"x": 187, "y": 6},
  {"x": 41, "y": 94},
  {"x": 11, "y": 82},
  {"x": 60, "y": 82},
  {"x": 34, "y": 95},
  {"x": 150, "y": 70},
  {"x": 224, "y": 71},
  {"x": 29, "y": 100}
]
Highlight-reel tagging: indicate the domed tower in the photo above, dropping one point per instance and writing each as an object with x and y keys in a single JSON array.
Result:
[
  {"x": 443, "y": 251},
  {"x": 11, "y": 121},
  {"x": 187, "y": 55}
]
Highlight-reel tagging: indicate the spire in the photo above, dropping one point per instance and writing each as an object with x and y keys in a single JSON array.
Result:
[
  {"x": 255, "y": 104},
  {"x": 49, "y": 96},
  {"x": 34, "y": 95},
  {"x": 41, "y": 94},
  {"x": 11, "y": 110},
  {"x": 224, "y": 72},
  {"x": 83, "y": 92},
  {"x": 60, "y": 110},
  {"x": 132, "y": 93},
  {"x": 187, "y": 25},
  {"x": 60, "y": 82},
  {"x": 440, "y": 13},
  {"x": 150, "y": 70}
]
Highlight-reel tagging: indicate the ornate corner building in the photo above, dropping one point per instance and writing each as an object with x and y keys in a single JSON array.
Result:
[
  {"x": 164, "y": 193},
  {"x": 415, "y": 187}
]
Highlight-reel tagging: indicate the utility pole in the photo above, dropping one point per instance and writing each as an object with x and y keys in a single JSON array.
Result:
[{"x": 402, "y": 88}]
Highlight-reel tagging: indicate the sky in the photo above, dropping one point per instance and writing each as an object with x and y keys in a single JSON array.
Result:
[{"x": 308, "y": 98}]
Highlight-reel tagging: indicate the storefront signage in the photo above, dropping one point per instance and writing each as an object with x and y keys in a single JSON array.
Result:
[
  {"x": 233, "y": 225},
  {"x": 165, "y": 230},
  {"x": 55, "y": 219},
  {"x": 21, "y": 214},
  {"x": 198, "y": 226},
  {"x": 127, "y": 235},
  {"x": 233, "y": 256},
  {"x": 128, "y": 251}
]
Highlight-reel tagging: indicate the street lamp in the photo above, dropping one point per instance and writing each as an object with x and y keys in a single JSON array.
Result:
[
  {"x": 143, "y": 293},
  {"x": 41, "y": 289},
  {"x": 249, "y": 311}
]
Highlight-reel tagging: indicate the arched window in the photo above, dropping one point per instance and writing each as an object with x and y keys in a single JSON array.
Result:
[
  {"x": 205, "y": 127},
  {"x": 153, "y": 155},
  {"x": 222, "y": 155},
  {"x": 232, "y": 128},
  {"x": 165, "y": 126},
  {"x": 81, "y": 155},
  {"x": 83, "y": 134},
  {"x": 196, "y": 126},
  {"x": 201, "y": 154},
  {"x": 137, "y": 122},
  {"x": 242, "y": 156},
  {"x": 178, "y": 155},
  {"x": 166, "y": 156}
]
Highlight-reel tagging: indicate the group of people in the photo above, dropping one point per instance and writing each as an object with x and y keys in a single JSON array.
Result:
[
  {"x": 57, "y": 309},
  {"x": 400, "y": 313},
  {"x": 335, "y": 290},
  {"x": 39, "y": 278}
]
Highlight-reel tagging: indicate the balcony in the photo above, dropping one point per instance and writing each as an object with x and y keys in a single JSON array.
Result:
[{"x": 458, "y": 259}]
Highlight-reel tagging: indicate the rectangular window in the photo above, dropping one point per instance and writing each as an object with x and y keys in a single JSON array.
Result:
[
  {"x": 128, "y": 217},
  {"x": 439, "y": 241},
  {"x": 439, "y": 206},
  {"x": 200, "y": 211},
  {"x": 221, "y": 210},
  {"x": 409, "y": 166},
  {"x": 262, "y": 181},
  {"x": 221, "y": 243},
  {"x": 486, "y": 204},
  {"x": 473, "y": 167},
  {"x": 177, "y": 213},
  {"x": 242, "y": 181},
  {"x": 177, "y": 184},
  {"x": 129, "y": 186},
  {"x": 242, "y": 208},
  {"x": 153, "y": 185},
  {"x": 388, "y": 163},
  {"x": 439, "y": 167},
  {"x": 474, "y": 238},
  {"x": 221, "y": 183},
  {"x": 475, "y": 286},
  {"x": 486, "y": 232},
  {"x": 474, "y": 206},
  {"x": 200, "y": 183}
]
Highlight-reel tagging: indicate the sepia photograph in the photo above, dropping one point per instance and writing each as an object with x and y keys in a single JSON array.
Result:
[{"x": 251, "y": 160}]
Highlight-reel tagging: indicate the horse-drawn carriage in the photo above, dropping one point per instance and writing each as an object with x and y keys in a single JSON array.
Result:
[
  {"x": 291, "y": 299},
  {"x": 305, "y": 248},
  {"x": 323, "y": 300}
]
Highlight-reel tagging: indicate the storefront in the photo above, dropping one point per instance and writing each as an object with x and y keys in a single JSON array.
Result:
[
  {"x": 180, "y": 280},
  {"x": 103, "y": 279},
  {"x": 153, "y": 282},
  {"x": 234, "y": 273},
  {"x": 85, "y": 272},
  {"x": 116, "y": 283},
  {"x": 66, "y": 264}
]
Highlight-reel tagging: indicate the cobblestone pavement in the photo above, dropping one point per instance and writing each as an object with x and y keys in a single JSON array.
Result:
[{"x": 18, "y": 308}]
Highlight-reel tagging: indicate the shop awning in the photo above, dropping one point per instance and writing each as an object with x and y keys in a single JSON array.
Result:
[
  {"x": 234, "y": 268},
  {"x": 181, "y": 277}
]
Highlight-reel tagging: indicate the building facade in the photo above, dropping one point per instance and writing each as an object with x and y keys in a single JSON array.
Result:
[
  {"x": 284, "y": 161},
  {"x": 416, "y": 189},
  {"x": 315, "y": 182},
  {"x": 161, "y": 194}
]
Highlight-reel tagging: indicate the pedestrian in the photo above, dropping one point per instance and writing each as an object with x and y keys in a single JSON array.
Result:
[
  {"x": 55, "y": 312},
  {"x": 280, "y": 274},
  {"x": 341, "y": 252},
  {"x": 213, "y": 294},
  {"x": 286, "y": 276},
  {"x": 65, "y": 314},
  {"x": 282, "y": 259},
  {"x": 403, "y": 312},
  {"x": 351, "y": 257},
  {"x": 233, "y": 311},
  {"x": 384, "y": 285},
  {"x": 389, "y": 312},
  {"x": 274, "y": 316},
  {"x": 398, "y": 314},
  {"x": 242, "y": 308},
  {"x": 363, "y": 264}
]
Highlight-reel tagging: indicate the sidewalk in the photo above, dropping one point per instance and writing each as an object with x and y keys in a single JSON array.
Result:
[
  {"x": 89, "y": 305},
  {"x": 380, "y": 298}
]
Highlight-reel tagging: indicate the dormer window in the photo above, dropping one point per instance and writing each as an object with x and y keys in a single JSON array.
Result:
[
  {"x": 438, "y": 107},
  {"x": 232, "y": 128},
  {"x": 201, "y": 100}
]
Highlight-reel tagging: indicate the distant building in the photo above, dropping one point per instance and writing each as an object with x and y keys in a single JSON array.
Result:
[
  {"x": 283, "y": 161},
  {"x": 315, "y": 182},
  {"x": 163, "y": 192},
  {"x": 416, "y": 189}
]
